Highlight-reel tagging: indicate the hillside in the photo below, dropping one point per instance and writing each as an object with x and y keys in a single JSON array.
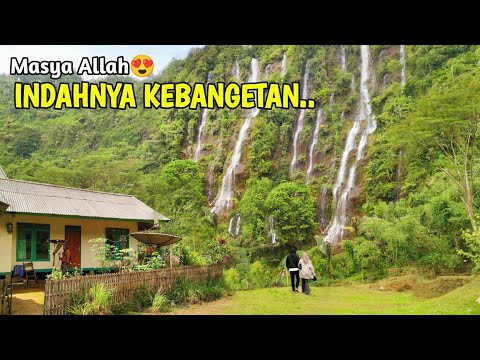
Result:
[{"x": 376, "y": 160}]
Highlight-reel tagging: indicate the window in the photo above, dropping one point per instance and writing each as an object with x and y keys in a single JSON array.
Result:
[
  {"x": 32, "y": 242},
  {"x": 118, "y": 238}
]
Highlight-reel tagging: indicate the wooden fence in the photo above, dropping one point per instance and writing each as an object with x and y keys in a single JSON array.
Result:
[
  {"x": 5, "y": 296},
  {"x": 122, "y": 284}
]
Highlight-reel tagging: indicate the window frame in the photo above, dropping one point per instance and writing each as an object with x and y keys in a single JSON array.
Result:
[
  {"x": 33, "y": 251},
  {"x": 116, "y": 239}
]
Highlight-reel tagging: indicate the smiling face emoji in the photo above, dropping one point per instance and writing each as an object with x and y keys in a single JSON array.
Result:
[{"x": 142, "y": 65}]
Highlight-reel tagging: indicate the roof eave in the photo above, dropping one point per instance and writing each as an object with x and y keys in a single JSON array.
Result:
[{"x": 84, "y": 217}]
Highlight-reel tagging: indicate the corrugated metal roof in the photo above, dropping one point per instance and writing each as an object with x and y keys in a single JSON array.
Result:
[
  {"x": 35, "y": 198},
  {"x": 2, "y": 173}
]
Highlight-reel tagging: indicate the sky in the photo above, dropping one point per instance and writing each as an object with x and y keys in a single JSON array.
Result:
[{"x": 160, "y": 54}]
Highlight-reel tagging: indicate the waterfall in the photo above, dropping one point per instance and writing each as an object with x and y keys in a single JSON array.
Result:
[
  {"x": 341, "y": 191},
  {"x": 402, "y": 63},
  {"x": 284, "y": 65},
  {"x": 224, "y": 197},
  {"x": 342, "y": 115},
  {"x": 352, "y": 84},
  {"x": 234, "y": 226},
  {"x": 273, "y": 233},
  {"x": 343, "y": 58},
  {"x": 332, "y": 99},
  {"x": 236, "y": 70},
  {"x": 202, "y": 124},
  {"x": 301, "y": 116},
  {"x": 316, "y": 132}
]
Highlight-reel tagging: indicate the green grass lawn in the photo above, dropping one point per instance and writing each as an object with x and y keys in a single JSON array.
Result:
[{"x": 352, "y": 300}]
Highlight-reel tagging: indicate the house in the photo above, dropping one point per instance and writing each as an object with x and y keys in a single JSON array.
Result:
[{"x": 31, "y": 214}]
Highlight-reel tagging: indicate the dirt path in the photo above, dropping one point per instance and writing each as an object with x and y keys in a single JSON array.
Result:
[
  {"x": 214, "y": 307},
  {"x": 28, "y": 301}
]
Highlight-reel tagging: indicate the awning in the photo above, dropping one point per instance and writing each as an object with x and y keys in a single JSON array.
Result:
[{"x": 154, "y": 238}]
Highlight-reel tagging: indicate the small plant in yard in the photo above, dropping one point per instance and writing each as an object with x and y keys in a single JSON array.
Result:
[
  {"x": 56, "y": 275},
  {"x": 74, "y": 272}
]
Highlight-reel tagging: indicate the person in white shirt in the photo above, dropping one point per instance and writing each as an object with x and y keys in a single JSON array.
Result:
[{"x": 307, "y": 272}]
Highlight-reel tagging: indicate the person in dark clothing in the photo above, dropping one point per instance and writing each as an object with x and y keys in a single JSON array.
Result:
[{"x": 292, "y": 265}]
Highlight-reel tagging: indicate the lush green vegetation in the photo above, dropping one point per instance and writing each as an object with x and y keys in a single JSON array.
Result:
[{"x": 418, "y": 197}]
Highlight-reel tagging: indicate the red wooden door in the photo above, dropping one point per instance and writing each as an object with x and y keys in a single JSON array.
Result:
[{"x": 73, "y": 238}]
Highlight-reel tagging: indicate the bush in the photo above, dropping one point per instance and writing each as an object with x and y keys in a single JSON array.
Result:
[
  {"x": 126, "y": 306},
  {"x": 189, "y": 257},
  {"x": 439, "y": 262},
  {"x": 260, "y": 276},
  {"x": 472, "y": 240},
  {"x": 143, "y": 296},
  {"x": 319, "y": 261},
  {"x": 342, "y": 266},
  {"x": 232, "y": 278},
  {"x": 368, "y": 256}
]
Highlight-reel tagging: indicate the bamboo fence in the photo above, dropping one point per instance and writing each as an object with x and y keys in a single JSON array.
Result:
[
  {"x": 123, "y": 285},
  {"x": 5, "y": 297}
]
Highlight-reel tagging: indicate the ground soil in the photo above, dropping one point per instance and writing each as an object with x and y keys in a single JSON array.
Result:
[{"x": 28, "y": 300}]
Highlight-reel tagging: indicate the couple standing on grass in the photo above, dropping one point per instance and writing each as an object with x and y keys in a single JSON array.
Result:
[{"x": 300, "y": 268}]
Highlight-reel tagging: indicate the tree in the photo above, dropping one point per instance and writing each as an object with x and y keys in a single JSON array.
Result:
[
  {"x": 445, "y": 128},
  {"x": 462, "y": 166},
  {"x": 252, "y": 207},
  {"x": 293, "y": 208}
]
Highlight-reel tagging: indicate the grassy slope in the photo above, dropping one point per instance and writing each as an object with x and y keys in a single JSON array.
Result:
[{"x": 353, "y": 300}]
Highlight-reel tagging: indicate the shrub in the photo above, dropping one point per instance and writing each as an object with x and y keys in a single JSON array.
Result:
[
  {"x": 260, "y": 276},
  {"x": 232, "y": 278},
  {"x": 319, "y": 261},
  {"x": 181, "y": 291},
  {"x": 124, "y": 307},
  {"x": 367, "y": 254},
  {"x": 472, "y": 240},
  {"x": 342, "y": 266},
  {"x": 189, "y": 257},
  {"x": 438, "y": 262},
  {"x": 143, "y": 296}
]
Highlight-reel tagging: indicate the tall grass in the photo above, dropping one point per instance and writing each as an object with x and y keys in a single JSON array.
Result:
[{"x": 97, "y": 301}]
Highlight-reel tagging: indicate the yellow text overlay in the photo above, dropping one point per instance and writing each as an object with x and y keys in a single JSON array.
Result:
[{"x": 156, "y": 95}]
